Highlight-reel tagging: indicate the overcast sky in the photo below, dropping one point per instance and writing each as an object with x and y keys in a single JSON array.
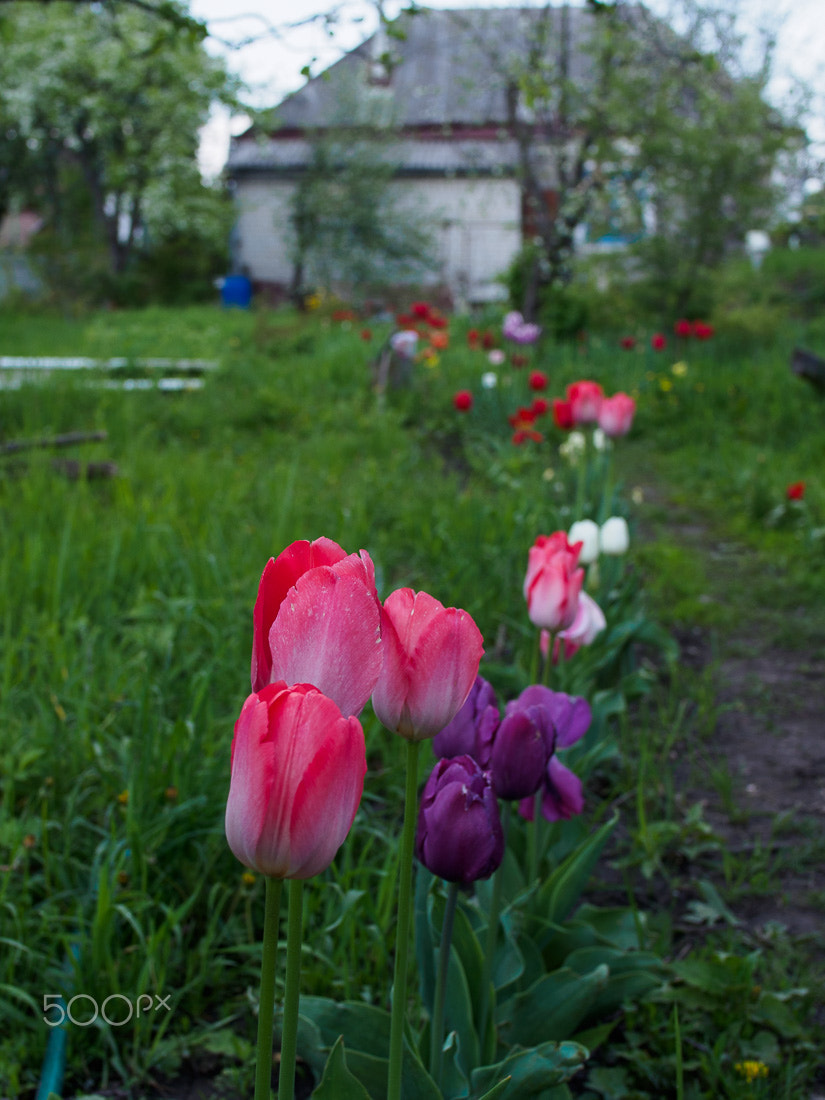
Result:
[{"x": 282, "y": 37}]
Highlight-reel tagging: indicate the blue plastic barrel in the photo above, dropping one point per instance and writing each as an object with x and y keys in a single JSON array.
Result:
[{"x": 236, "y": 292}]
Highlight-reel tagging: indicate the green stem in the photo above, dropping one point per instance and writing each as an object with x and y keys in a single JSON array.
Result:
[
  {"x": 492, "y": 934},
  {"x": 437, "y": 1025},
  {"x": 289, "y": 1037},
  {"x": 399, "y": 986},
  {"x": 266, "y": 1008}
]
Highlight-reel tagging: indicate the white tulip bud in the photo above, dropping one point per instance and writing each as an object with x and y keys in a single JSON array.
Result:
[
  {"x": 586, "y": 532},
  {"x": 614, "y": 537}
]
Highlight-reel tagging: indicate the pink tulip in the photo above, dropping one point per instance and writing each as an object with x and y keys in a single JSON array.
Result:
[
  {"x": 585, "y": 400},
  {"x": 616, "y": 414},
  {"x": 553, "y": 581},
  {"x": 298, "y": 769},
  {"x": 317, "y": 620},
  {"x": 587, "y": 625},
  {"x": 431, "y": 658}
]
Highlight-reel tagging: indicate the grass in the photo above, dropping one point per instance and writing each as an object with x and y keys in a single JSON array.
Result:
[{"x": 126, "y": 632}]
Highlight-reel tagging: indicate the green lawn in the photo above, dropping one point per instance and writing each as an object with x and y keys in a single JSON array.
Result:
[{"x": 126, "y": 606}]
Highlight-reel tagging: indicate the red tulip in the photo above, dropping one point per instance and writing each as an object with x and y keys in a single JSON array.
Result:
[
  {"x": 463, "y": 400},
  {"x": 616, "y": 414},
  {"x": 795, "y": 491},
  {"x": 298, "y": 769},
  {"x": 553, "y": 581},
  {"x": 317, "y": 621},
  {"x": 431, "y": 658},
  {"x": 537, "y": 380},
  {"x": 702, "y": 331},
  {"x": 658, "y": 342},
  {"x": 562, "y": 414},
  {"x": 683, "y": 328},
  {"x": 628, "y": 342},
  {"x": 585, "y": 401},
  {"x": 539, "y": 406}
]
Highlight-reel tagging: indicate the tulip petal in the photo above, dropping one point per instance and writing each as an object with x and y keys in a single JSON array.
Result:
[
  {"x": 563, "y": 795},
  {"x": 279, "y": 576},
  {"x": 250, "y": 788},
  {"x": 327, "y": 799},
  {"x": 328, "y": 633}
]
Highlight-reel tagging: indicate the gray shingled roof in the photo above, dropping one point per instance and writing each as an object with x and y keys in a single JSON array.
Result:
[{"x": 451, "y": 66}]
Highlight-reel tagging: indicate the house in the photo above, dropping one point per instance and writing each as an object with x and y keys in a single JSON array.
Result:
[{"x": 439, "y": 87}]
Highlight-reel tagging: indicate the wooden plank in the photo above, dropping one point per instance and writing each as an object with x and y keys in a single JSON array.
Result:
[{"x": 67, "y": 439}]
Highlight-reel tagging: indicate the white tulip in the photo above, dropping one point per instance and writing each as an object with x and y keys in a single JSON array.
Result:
[
  {"x": 614, "y": 537},
  {"x": 586, "y": 532}
]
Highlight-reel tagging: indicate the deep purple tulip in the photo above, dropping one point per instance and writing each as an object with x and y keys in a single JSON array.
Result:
[
  {"x": 563, "y": 720},
  {"x": 472, "y": 730},
  {"x": 459, "y": 835},
  {"x": 520, "y": 753}
]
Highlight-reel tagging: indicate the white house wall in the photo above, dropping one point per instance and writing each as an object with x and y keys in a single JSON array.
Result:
[
  {"x": 476, "y": 226},
  {"x": 263, "y": 234}
]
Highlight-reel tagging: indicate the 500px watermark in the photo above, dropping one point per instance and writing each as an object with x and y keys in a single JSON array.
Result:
[{"x": 116, "y": 1010}]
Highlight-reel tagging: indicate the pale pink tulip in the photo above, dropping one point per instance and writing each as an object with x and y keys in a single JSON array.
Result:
[
  {"x": 431, "y": 658},
  {"x": 616, "y": 414},
  {"x": 298, "y": 769},
  {"x": 553, "y": 581},
  {"x": 587, "y": 625},
  {"x": 317, "y": 620}
]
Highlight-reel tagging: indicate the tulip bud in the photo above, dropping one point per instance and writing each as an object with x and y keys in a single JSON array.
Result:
[
  {"x": 586, "y": 531},
  {"x": 459, "y": 835},
  {"x": 553, "y": 581},
  {"x": 471, "y": 732},
  {"x": 431, "y": 658},
  {"x": 297, "y": 774},
  {"x": 614, "y": 537},
  {"x": 519, "y": 757}
]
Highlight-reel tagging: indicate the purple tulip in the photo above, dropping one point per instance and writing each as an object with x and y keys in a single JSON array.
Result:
[
  {"x": 520, "y": 753},
  {"x": 472, "y": 730},
  {"x": 459, "y": 835},
  {"x": 562, "y": 720},
  {"x": 570, "y": 715}
]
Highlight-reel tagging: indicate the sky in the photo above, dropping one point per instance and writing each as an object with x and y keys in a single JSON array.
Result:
[{"x": 268, "y": 42}]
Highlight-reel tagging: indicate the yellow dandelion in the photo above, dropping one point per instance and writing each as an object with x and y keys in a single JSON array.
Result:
[
  {"x": 123, "y": 798},
  {"x": 680, "y": 369},
  {"x": 665, "y": 384},
  {"x": 751, "y": 1069},
  {"x": 248, "y": 879}
]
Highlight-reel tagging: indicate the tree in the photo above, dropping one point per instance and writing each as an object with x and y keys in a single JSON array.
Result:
[
  {"x": 105, "y": 126},
  {"x": 614, "y": 104},
  {"x": 349, "y": 231}
]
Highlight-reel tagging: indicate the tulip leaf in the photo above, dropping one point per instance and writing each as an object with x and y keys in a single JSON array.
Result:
[
  {"x": 528, "y": 1073},
  {"x": 364, "y": 1027},
  {"x": 552, "y": 1008},
  {"x": 454, "y": 1082},
  {"x": 561, "y": 891},
  {"x": 338, "y": 1083}
]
